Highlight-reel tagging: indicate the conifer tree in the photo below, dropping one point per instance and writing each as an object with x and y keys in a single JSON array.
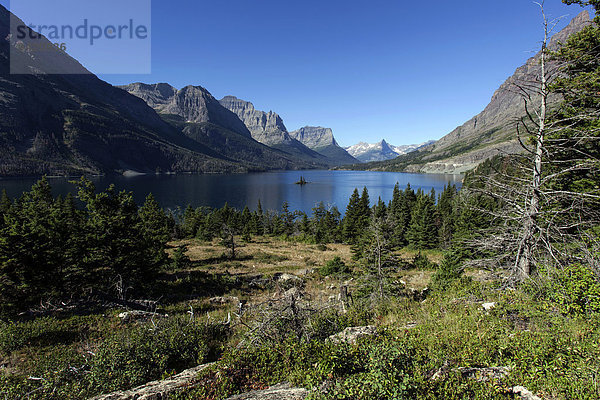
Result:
[
  {"x": 351, "y": 229},
  {"x": 155, "y": 228},
  {"x": 446, "y": 212},
  {"x": 422, "y": 232}
]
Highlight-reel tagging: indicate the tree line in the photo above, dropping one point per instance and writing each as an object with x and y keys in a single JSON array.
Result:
[{"x": 102, "y": 242}]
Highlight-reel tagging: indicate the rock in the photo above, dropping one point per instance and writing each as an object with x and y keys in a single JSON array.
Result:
[
  {"x": 314, "y": 137},
  {"x": 409, "y": 325},
  {"x": 306, "y": 271},
  {"x": 267, "y": 128},
  {"x": 352, "y": 334},
  {"x": 288, "y": 280},
  {"x": 158, "y": 390},
  {"x": 524, "y": 393},
  {"x": 293, "y": 292},
  {"x": 223, "y": 300},
  {"x": 136, "y": 315},
  {"x": 488, "y": 306},
  {"x": 278, "y": 392},
  {"x": 485, "y": 374},
  {"x": 192, "y": 103}
]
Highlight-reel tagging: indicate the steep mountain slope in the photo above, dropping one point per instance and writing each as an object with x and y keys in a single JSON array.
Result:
[
  {"x": 268, "y": 128},
  {"x": 195, "y": 112},
  {"x": 487, "y": 134},
  {"x": 322, "y": 141},
  {"x": 73, "y": 124}
]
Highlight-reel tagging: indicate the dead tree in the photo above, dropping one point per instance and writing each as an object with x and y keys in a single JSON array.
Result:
[{"x": 535, "y": 220}]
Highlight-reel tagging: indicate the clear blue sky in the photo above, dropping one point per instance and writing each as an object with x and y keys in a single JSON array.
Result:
[{"x": 405, "y": 71}]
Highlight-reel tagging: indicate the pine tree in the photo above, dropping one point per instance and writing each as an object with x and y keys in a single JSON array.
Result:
[
  {"x": 422, "y": 232},
  {"x": 287, "y": 218},
  {"x": 380, "y": 209},
  {"x": 446, "y": 213},
  {"x": 155, "y": 228},
  {"x": 351, "y": 229}
]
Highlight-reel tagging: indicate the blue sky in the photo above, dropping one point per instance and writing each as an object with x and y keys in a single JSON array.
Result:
[{"x": 405, "y": 71}]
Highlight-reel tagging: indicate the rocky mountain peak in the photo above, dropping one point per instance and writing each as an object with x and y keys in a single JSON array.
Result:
[
  {"x": 315, "y": 136},
  {"x": 265, "y": 127},
  {"x": 193, "y": 104}
]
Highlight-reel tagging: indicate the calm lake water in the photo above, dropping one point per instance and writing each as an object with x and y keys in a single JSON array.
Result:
[{"x": 239, "y": 190}]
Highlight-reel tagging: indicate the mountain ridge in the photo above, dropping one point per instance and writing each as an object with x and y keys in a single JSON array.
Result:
[
  {"x": 75, "y": 124},
  {"x": 381, "y": 151},
  {"x": 268, "y": 128},
  {"x": 322, "y": 141},
  {"x": 488, "y": 133}
]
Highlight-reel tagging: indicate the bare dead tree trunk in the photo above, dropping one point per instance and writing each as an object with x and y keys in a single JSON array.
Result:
[{"x": 524, "y": 263}]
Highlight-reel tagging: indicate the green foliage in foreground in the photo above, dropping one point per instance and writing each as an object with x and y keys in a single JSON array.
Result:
[
  {"x": 552, "y": 355},
  {"x": 117, "y": 357}
]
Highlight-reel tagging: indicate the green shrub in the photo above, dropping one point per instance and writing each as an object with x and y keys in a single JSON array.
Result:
[
  {"x": 180, "y": 260},
  {"x": 576, "y": 290},
  {"x": 334, "y": 266},
  {"x": 449, "y": 270},
  {"x": 44, "y": 331},
  {"x": 146, "y": 352},
  {"x": 422, "y": 262}
]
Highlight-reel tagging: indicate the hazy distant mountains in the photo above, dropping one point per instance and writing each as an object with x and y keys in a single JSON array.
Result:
[
  {"x": 381, "y": 151},
  {"x": 489, "y": 133}
]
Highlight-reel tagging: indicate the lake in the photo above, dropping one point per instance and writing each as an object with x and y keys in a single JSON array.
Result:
[{"x": 239, "y": 190}]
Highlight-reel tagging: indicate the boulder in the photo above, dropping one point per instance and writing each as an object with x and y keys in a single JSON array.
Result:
[
  {"x": 287, "y": 281},
  {"x": 278, "y": 392},
  {"x": 485, "y": 374},
  {"x": 137, "y": 315},
  {"x": 158, "y": 390},
  {"x": 351, "y": 334},
  {"x": 293, "y": 292},
  {"x": 524, "y": 394},
  {"x": 223, "y": 300}
]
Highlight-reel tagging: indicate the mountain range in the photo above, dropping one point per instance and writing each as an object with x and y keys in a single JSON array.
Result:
[
  {"x": 381, "y": 151},
  {"x": 489, "y": 133},
  {"x": 72, "y": 124}
]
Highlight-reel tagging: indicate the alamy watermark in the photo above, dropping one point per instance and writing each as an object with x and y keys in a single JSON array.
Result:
[{"x": 76, "y": 36}]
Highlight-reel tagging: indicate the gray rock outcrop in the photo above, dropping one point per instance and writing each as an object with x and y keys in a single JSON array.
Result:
[
  {"x": 323, "y": 142},
  {"x": 524, "y": 394},
  {"x": 265, "y": 127},
  {"x": 158, "y": 390},
  {"x": 192, "y": 104},
  {"x": 268, "y": 128},
  {"x": 278, "y": 392},
  {"x": 350, "y": 335}
]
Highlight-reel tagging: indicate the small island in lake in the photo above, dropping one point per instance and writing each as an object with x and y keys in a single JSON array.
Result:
[{"x": 302, "y": 181}]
